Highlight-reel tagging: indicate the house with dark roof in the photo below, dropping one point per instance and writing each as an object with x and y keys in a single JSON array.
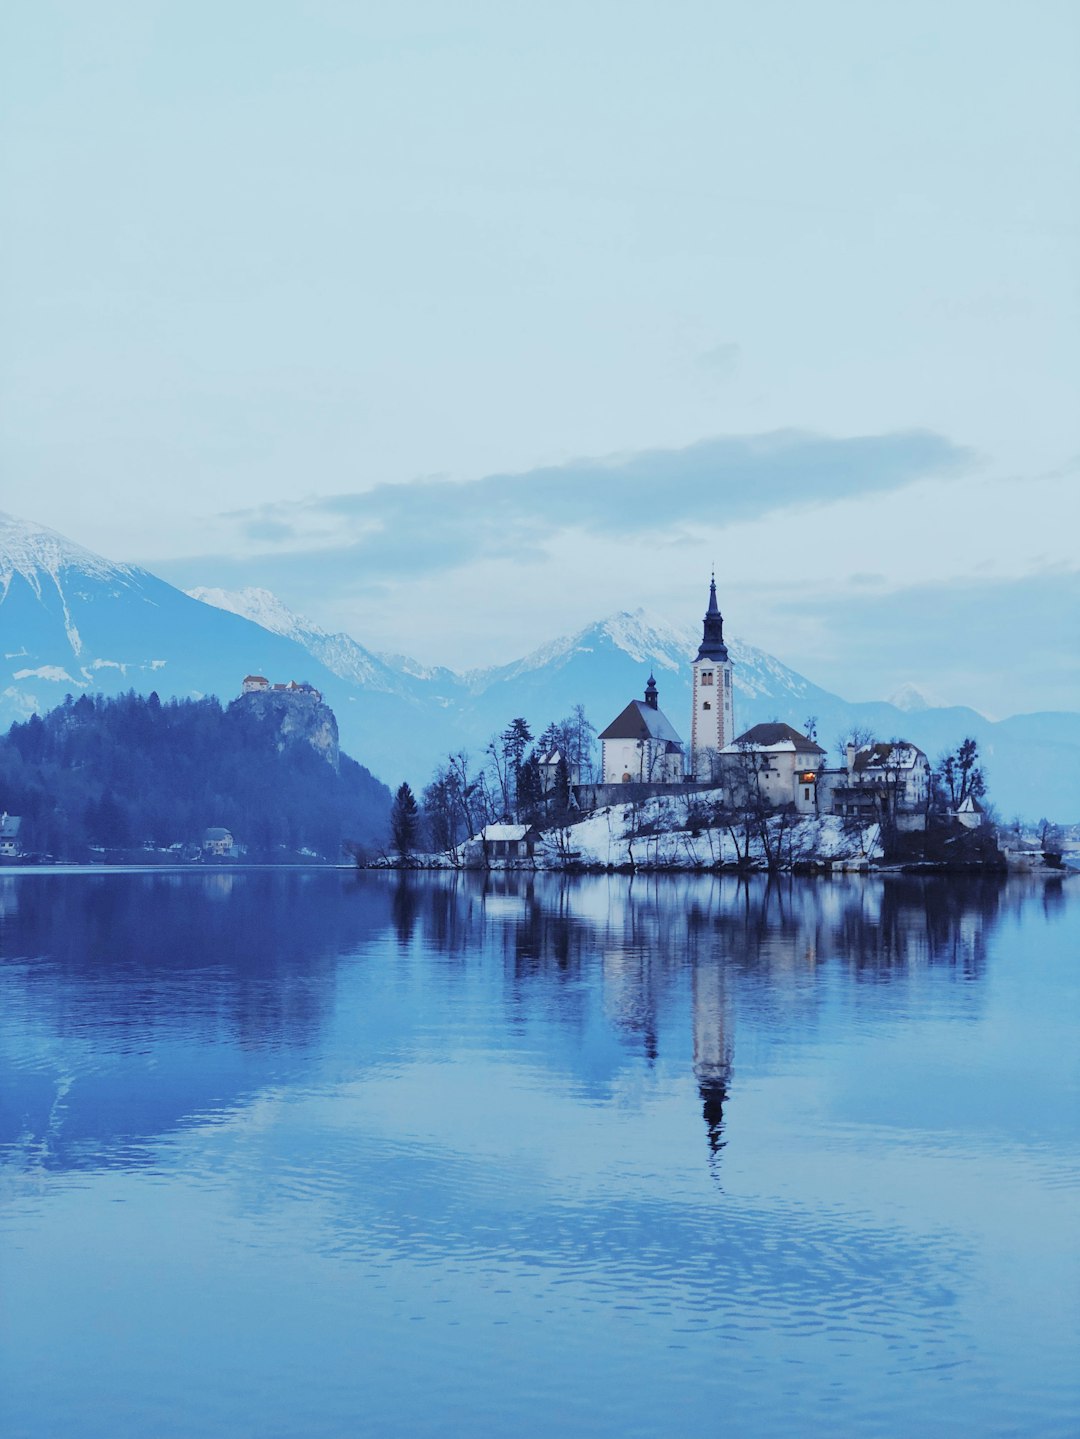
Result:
[
  {"x": 641, "y": 746},
  {"x": 880, "y": 780},
  {"x": 10, "y": 824},
  {"x": 778, "y": 763}
]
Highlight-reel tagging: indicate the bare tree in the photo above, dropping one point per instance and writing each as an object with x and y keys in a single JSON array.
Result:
[
  {"x": 959, "y": 776},
  {"x": 856, "y": 736}
]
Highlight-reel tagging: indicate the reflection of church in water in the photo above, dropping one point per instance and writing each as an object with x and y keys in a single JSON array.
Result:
[
  {"x": 712, "y": 1047},
  {"x": 669, "y": 962}
]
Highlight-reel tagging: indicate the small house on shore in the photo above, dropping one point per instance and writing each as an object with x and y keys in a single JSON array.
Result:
[
  {"x": 10, "y": 824},
  {"x": 218, "y": 843},
  {"x": 506, "y": 845}
]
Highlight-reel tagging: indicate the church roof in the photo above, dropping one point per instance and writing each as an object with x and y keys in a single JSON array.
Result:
[
  {"x": 640, "y": 721},
  {"x": 712, "y": 645}
]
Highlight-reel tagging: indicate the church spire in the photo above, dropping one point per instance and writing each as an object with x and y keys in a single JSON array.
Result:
[{"x": 712, "y": 642}]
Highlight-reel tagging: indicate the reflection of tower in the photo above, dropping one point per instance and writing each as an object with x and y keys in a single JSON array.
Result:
[
  {"x": 713, "y": 723},
  {"x": 712, "y": 1047}
]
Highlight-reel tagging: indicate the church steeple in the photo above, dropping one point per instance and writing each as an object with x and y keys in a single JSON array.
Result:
[
  {"x": 652, "y": 694},
  {"x": 712, "y": 644}
]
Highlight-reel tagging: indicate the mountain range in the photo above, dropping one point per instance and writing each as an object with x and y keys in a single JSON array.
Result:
[{"x": 74, "y": 622}]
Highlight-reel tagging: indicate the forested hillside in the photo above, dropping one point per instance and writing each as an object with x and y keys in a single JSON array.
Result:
[{"x": 132, "y": 771}]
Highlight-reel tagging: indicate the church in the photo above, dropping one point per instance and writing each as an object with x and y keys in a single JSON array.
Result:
[{"x": 641, "y": 745}]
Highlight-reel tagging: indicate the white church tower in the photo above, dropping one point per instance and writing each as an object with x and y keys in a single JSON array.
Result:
[{"x": 713, "y": 723}]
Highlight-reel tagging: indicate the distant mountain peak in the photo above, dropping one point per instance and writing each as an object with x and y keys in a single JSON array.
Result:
[
  {"x": 32, "y": 550},
  {"x": 911, "y": 699}
]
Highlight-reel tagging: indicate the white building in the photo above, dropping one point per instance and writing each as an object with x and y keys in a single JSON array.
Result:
[
  {"x": 640, "y": 746},
  {"x": 775, "y": 763},
  {"x": 712, "y": 724},
  {"x": 10, "y": 824},
  {"x": 884, "y": 779},
  {"x": 218, "y": 843},
  {"x": 548, "y": 765}
]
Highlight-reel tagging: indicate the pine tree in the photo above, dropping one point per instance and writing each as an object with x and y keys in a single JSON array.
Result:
[{"x": 404, "y": 821}]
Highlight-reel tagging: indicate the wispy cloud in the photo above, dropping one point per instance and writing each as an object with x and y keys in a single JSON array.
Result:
[{"x": 437, "y": 525}]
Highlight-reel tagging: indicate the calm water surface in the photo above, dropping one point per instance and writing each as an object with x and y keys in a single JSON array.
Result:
[{"x": 312, "y": 1154}]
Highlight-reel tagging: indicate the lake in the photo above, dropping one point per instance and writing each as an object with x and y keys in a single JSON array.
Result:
[{"x": 310, "y": 1153}]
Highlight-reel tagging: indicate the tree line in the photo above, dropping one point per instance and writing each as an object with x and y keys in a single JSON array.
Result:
[
  {"x": 136, "y": 772},
  {"x": 521, "y": 778}
]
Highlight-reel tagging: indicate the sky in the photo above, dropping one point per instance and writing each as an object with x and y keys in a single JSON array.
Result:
[{"x": 459, "y": 325}]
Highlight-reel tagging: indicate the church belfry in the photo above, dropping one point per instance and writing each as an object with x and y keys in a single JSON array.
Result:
[{"x": 713, "y": 723}]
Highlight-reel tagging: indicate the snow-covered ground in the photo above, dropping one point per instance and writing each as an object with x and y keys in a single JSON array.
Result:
[{"x": 656, "y": 834}]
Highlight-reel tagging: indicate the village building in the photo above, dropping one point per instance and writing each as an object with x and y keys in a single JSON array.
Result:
[
  {"x": 548, "y": 767},
  {"x": 969, "y": 813},
  {"x": 504, "y": 844},
  {"x": 10, "y": 824},
  {"x": 259, "y": 684},
  {"x": 712, "y": 724},
  {"x": 887, "y": 780},
  {"x": 217, "y": 843},
  {"x": 773, "y": 763},
  {"x": 640, "y": 746}
]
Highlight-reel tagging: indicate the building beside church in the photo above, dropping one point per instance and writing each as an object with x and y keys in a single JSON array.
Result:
[
  {"x": 879, "y": 781},
  {"x": 773, "y": 763},
  {"x": 640, "y": 746},
  {"x": 712, "y": 724}
]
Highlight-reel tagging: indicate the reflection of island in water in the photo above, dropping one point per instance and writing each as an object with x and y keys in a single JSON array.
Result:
[
  {"x": 766, "y": 941},
  {"x": 131, "y": 1004}
]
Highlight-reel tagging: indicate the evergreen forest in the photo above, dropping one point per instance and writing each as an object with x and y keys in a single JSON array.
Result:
[{"x": 135, "y": 773}]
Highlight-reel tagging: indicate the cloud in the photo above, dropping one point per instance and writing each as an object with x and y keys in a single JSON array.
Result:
[{"x": 437, "y": 525}]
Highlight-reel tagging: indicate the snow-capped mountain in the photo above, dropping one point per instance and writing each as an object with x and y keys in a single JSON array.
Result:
[
  {"x": 912, "y": 699},
  {"x": 71, "y": 622},
  {"x": 74, "y": 623},
  {"x": 340, "y": 654}
]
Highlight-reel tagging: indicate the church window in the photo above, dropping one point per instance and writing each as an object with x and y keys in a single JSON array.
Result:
[
  {"x": 706, "y": 677},
  {"x": 706, "y": 705}
]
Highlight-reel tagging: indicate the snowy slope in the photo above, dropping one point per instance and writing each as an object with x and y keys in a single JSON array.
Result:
[{"x": 341, "y": 655}]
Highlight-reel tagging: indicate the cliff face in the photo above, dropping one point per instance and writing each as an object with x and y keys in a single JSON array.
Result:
[{"x": 295, "y": 719}]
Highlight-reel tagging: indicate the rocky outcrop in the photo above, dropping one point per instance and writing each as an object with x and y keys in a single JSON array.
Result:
[{"x": 295, "y": 717}]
